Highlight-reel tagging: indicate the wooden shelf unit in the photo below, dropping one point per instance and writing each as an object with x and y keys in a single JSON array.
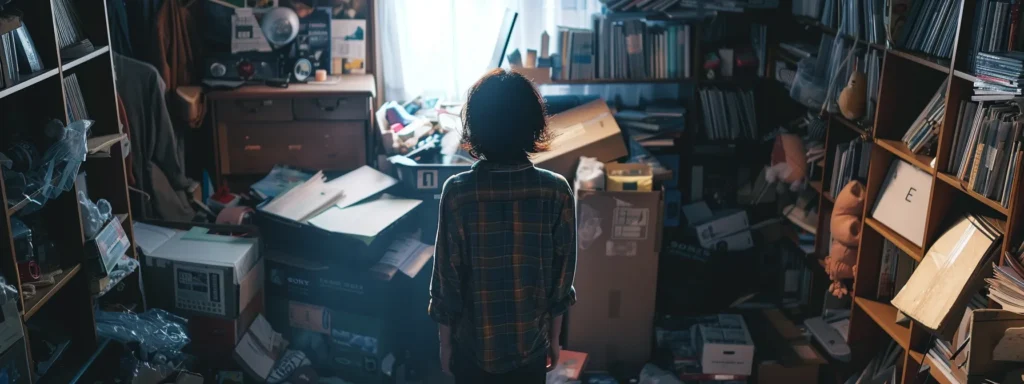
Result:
[
  {"x": 908, "y": 81},
  {"x": 68, "y": 303}
]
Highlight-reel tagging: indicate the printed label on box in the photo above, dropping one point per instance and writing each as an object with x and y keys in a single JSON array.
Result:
[
  {"x": 426, "y": 179},
  {"x": 621, "y": 248},
  {"x": 199, "y": 289},
  {"x": 630, "y": 223},
  {"x": 309, "y": 317}
]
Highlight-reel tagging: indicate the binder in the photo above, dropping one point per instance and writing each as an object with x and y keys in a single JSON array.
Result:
[{"x": 903, "y": 201}]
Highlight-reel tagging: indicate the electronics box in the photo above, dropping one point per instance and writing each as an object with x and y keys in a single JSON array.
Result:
[
  {"x": 106, "y": 249},
  {"x": 204, "y": 271}
]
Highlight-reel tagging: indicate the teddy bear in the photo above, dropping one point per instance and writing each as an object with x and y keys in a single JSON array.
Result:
[{"x": 841, "y": 262}]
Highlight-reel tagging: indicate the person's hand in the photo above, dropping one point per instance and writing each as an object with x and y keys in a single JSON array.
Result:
[
  {"x": 553, "y": 352},
  {"x": 446, "y": 358}
]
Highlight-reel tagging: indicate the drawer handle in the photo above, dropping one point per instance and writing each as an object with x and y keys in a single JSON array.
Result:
[
  {"x": 294, "y": 147},
  {"x": 253, "y": 106},
  {"x": 253, "y": 147},
  {"x": 326, "y": 107}
]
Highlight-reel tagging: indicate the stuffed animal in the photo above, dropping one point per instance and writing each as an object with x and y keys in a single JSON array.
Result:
[
  {"x": 841, "y": 262},
  {"x": 852, "y": 102},
  {"x": 789, "y": 162}
]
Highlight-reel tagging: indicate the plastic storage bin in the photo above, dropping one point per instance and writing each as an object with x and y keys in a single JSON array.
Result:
[
  {"x": 808, "y": 88},
  {"x": 424, "y": 182}
]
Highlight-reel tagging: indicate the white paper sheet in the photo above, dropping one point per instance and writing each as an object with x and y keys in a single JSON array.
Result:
[
  {"x": 361, "y": 184},
  {"x": 365, "y": 220},
  {"x": 150, "y": 237}
]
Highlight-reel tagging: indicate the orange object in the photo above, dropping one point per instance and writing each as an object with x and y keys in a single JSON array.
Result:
[
  {"x": 841, "y": 262},
  {"x": 321, "y": 75}
]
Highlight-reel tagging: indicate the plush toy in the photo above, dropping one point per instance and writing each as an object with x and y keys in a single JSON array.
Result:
[
  {"x": 841, "y": 262},
  {"x": 852, "y": 102},
  {"x": 789, "y": 162}
]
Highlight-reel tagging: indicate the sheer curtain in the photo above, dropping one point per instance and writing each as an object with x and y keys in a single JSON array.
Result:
[{"x": 440, "y": 47}]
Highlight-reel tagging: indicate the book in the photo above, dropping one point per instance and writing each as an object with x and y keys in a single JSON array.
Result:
[
  {"x": 940, "y": 288},
  {"x": 728, "y": 114},
  {"x": 986, "y": 148},
  {"x": 931, "y": 27},
  {"x": 902, "y": 203}
]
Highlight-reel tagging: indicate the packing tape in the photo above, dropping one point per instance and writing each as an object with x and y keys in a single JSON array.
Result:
[{"x": 233, "y": 215}]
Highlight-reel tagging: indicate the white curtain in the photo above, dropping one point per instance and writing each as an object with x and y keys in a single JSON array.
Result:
[{"x": 440, "y": 47}]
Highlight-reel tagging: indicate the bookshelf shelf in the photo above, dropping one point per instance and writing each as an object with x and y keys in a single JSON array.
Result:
[
  {"x": 965, "y": 76},
  {"x": 921, "y": 59},
  {"x": 25, "y": 83},
  {"x": 899, "y": 149},
  {"x": 884, "y": 315},
  {"x": 940, "y": 65},
  {"x": 856, "y": 128},
  {"x": 76, "y": 62},
  {"x": 959, "y": 185},
  {"x": 901, "y": 242},
  {"x": 616, "y": 81},
  {"x": 43, "y": 295}
]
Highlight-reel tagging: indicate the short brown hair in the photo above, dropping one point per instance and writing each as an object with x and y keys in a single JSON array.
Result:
[{"x": 504, "y": 118}]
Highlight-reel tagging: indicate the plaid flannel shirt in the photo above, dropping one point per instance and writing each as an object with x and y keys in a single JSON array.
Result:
[{"x": 504, "y": 261}]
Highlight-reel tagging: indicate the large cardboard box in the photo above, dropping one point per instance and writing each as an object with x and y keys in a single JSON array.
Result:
[
  {"x": 725, "y": 346},
  {"x": 619, "y": 237},
  {"x": 352, "y": 346},
  {"x": 201, "y": 271},
  {"x": 785, "y": 355},
  {"x": 983, "y": 330},
  {"x": 588, "y": 130},
  {"x": 213, "y": 338}
]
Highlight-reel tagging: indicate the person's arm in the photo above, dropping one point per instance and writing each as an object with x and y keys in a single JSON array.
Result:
[
  {"x": 563, "y": 295},
  {"x": 445, "y": 294}
]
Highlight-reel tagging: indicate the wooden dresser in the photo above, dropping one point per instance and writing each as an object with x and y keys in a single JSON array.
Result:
[{"x": 319, "y": 127}]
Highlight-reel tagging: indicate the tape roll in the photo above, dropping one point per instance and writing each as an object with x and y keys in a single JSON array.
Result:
[{"x": 233, "y": 215}]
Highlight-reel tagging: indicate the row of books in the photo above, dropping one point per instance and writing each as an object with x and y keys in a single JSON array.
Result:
[
  {"x": 932, "y": 27},
  {"x": 872, "y": 68},
  {"x": 69, "y": 25},
  {"x": 1006, "y": 286},
  {"x": 996, "y": 24},
  {"x": 576, "y": 50},
  {"x": 850, "y": 163},
  {"x": 73, "y": 99},
  {"x": 942, "y": 350},
  {"x": 633, "y": 48},
  {"x": 987, "y": 147},
  {"x": 666, "y": 5},
  {"x": 896, "y": 268},
  {"x": 862, "y": 19},
  {"x": 923, "y": 134},
  {"x": 728, "y": 114},
  {"x": 18, "y": 57}
]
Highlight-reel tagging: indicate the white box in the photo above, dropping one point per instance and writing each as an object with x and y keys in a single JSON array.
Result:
[
  {"x": 723, "y": 224},
  {"x": 724, "y": 348}
]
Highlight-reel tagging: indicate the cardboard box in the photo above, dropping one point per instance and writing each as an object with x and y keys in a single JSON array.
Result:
[
  {"x": 103, "y": 252},
  {"x": 616, "y": 273},
  {"x": 985, "y": 330},
  {"x": 196, "y": 272},
  {"x": 725, "y": 347},
  {"x": 213, "y": 338},
  {"x": 723, "y": 224},
  {"x": 371, "y": 291},
  {"x": 259, "y": 349},
  {"x": 587, "y": 130},
  {"x": 350, "y": 346},
  {"x": 786, "y": 355}
]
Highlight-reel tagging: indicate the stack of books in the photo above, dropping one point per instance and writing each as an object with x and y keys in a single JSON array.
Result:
[
  {"x": 932, "y": 27},
  {"x": 850, "y": 163},
  {"x": 728, "y": 114},
  {"x": 995, "y": 28},
  {"x": 923, "y": 134},
  {"x": 654, "y": 126},
  {"x": 987, "y": 148},
  {"x": 629, "y": 47},
  {"x": 1006, "y": 286},
  {"x": 999, "y": 75}
]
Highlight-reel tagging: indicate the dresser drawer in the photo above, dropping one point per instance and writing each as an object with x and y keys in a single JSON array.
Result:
[
  {"x": 254, "y": 148},
  {"x": 332, "y": 108},
  {"x": 260, "y": 110}
]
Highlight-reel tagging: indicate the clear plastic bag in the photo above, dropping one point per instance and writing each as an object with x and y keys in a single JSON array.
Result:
[
  {"x": 159, "y": 334},
  {"x": 56, "y": 174},
  {"x": 124, "y": 267}
]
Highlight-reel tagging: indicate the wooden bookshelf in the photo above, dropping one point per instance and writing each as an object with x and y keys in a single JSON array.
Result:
[
  {"x": 68, "y": 303},
  {"x": 908, "y": 80}
]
